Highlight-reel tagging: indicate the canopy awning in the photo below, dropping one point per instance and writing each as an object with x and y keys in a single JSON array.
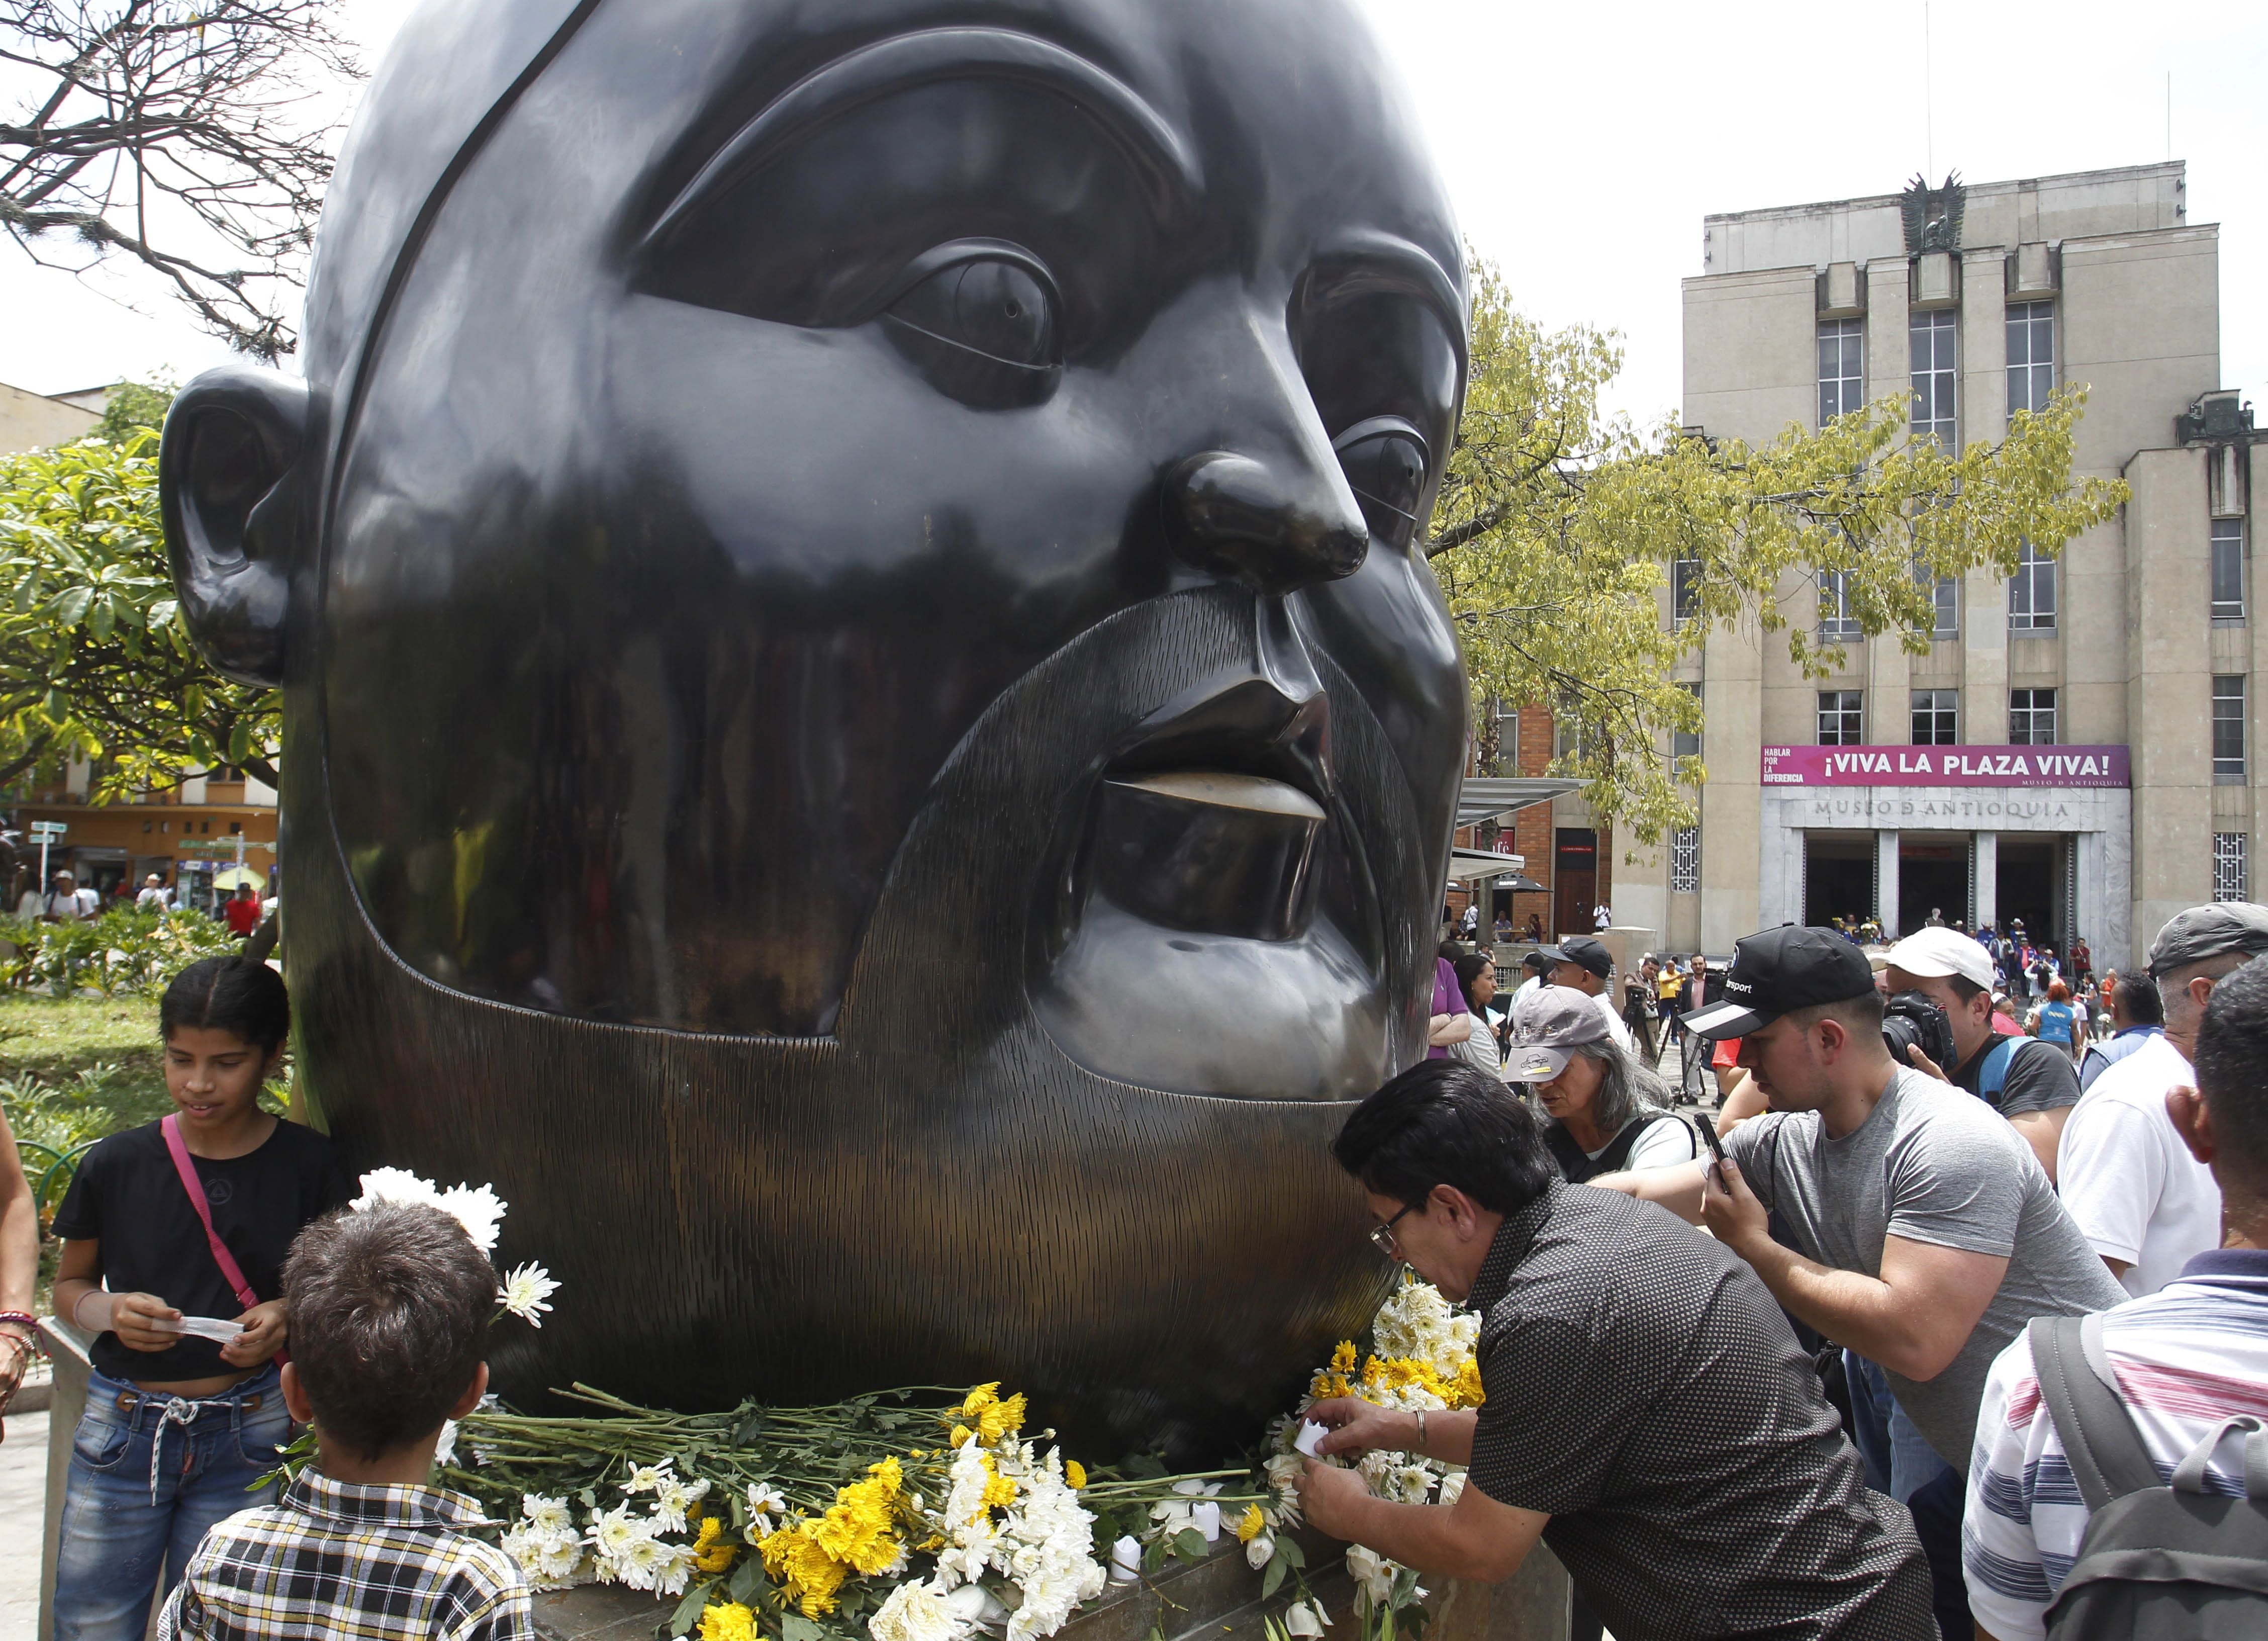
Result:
[
  {"x": 1490, "y": 797},
  {"x": 1473, "y": 865}
]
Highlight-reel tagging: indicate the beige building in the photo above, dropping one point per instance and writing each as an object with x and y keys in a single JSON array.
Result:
[
  {"x": 2079, "y": 748},
  {"x": 35, "y": 421}
]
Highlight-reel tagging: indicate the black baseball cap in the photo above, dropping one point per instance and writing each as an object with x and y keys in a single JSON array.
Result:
[
  {"x": 1584, "y": 952},
  {"x": 1539, "y": 960},
  {"x": 1778, "y": 972}
]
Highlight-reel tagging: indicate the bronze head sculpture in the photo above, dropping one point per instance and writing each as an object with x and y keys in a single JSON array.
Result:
[{"x": 868, "y": 733}]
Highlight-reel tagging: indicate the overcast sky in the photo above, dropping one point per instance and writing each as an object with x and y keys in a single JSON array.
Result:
[{"x": 1583, "y": 145}]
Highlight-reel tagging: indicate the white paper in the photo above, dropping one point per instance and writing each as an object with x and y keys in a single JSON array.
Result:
[
  {"x": 1310, "y": 1433},
  {"x": 201, "y": 1327}
]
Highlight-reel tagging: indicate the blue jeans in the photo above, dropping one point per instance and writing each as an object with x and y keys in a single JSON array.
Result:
[
  {"x": 1893, "y": 1448},
  {"x": 149, "y": 1473}
]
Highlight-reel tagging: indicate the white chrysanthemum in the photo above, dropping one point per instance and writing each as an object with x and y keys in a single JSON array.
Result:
[
  {"x": 394, "y": 1184},
  {"x": 526, "y": 1293},
  {"x": 545, "y": 1514},
  {"x": 549, "y": 1559},
  {"x": 646, "y": 1478},
  {"x": 674, "y": 1570},
  {"x": 478, "y": 1209},
  {"x": 766, "y": 1501},
  {"x": 1453, "y": 1487},
  {"x": 613, "y": 1531},
  {"x": 673, "y": 1496},
  {"x": 914, "y": 1612},
  {"x": 444, "y": 1450}
]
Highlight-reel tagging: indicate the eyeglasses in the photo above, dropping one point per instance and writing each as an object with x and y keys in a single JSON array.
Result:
[{"x": 1381, "y": 1237}]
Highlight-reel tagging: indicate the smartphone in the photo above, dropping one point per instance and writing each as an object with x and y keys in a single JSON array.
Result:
[{"x": 1708, "y": 1131}]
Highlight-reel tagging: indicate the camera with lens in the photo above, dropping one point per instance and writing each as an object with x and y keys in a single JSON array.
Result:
[{"x": 1913, "y": 1020}]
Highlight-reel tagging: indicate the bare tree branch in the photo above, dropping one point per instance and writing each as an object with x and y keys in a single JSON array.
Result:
[{"x": 181, "y": 135}]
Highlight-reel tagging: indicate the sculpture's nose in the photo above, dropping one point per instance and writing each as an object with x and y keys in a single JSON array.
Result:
[{"x": 1278, "y": 523}]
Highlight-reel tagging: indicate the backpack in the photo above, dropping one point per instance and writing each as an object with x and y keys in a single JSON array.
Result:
[
  {"x": 2161, "y": 1559},
  {"x": 1993, "y": 1075}
]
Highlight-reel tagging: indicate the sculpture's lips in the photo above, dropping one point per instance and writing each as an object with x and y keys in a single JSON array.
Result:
[
  {"x": 1251, "y": 730},
  {"x": 1255, "y": 794}
]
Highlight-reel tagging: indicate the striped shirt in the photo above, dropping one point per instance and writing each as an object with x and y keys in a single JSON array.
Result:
[
  {"x": 2186, "y": 1357},
  {"x": 362, "y": 1563}
]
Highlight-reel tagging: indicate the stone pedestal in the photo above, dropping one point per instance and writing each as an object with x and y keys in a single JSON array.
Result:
[{"x": 1215, "y": 1599}]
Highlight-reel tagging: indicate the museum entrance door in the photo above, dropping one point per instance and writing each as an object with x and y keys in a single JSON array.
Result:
[
  {"x": 2032, "y": 886},
  {"x": 1838, "y": 876},
  {"x": 1932, "y": 877}
]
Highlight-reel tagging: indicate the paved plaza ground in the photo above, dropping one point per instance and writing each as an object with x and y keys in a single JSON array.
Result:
[{"x": 23, "y": 1498}]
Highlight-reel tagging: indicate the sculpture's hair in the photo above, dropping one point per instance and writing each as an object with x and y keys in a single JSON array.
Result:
[
  {"x": 228, "y": 994},
  {"x": 390, "y": 1310},
  {"x": 1444, "y": 1122}
]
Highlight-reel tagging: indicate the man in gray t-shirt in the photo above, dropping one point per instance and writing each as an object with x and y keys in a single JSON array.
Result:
[
  {"x": 1933, "y": 1165},
  {"x": 1921, "y": 1230}
]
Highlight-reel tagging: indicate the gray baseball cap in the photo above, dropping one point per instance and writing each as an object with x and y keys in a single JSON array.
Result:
[
  {"x": 2211, "y": 931},
  {"x": 1548, "y": 1026}
]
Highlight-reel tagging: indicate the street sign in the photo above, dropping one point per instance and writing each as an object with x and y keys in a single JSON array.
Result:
[{"x": 49, "y": 829}]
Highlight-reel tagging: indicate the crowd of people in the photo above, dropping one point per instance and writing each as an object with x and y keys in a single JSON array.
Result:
[
  {"x": 1951, "y": 1319},
  {"x": 1942, "y": 1297},
  {"x": 67, "y": 900}
]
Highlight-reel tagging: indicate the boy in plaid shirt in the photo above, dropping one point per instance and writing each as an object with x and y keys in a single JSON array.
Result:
[{"x": 389, "y": 1312}]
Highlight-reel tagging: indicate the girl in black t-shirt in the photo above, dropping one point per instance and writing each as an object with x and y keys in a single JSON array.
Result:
[{"x": 177, "y": 1423}]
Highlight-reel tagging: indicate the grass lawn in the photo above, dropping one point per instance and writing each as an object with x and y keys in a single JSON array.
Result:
[{"x": 103, "y": 1051}]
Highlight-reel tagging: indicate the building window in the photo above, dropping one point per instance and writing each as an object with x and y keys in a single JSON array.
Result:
[
  {"x": 1836, "y": 624},
  {"x": 1686, "y": 861},
  {"x": 1945, "y": 601},
  {"x": 2031, "y": 717},
  {"x": 1842, "y": 377},
  {"x": 1840, "y": 718},
  {"x": 2228, "y": 569},
  {"x": 2228, "y": 867},
  {"x": 1685, "y": 744},
  {"x": 2228, "y": 728},
  {"x": 2032, "y": 591},
  {"x": 1936, "y": 717},
  {"x": 2031, "y": 354},
  {"x": 1684, "y": 589},
  {"x": 1931, "y": 335}
]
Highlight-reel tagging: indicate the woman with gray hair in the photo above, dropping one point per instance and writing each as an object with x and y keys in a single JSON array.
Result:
[{"x": 1607, "y": 1111}]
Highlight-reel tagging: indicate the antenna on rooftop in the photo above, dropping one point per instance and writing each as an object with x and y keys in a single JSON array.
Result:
[
  {"x": 1929, "y": 98},
  {"x": 2170, "y": 114}
]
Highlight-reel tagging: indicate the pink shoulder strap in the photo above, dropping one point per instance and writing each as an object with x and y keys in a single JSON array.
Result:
[{"x": 231, "y": 1272}]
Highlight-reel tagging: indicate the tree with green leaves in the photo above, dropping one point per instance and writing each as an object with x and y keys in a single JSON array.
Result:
[
  {"x": 95, "y": 661},
  {"x": 1557, "y": 531}
]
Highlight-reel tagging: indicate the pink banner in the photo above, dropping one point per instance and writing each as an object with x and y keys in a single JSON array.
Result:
[{"x": 1945, "y": 766}]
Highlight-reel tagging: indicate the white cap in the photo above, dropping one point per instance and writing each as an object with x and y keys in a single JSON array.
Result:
[{"x": 1935, "y": 953}]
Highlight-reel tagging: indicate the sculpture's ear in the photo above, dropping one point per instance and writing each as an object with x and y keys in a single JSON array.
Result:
[{"x": 233, "y": 441}]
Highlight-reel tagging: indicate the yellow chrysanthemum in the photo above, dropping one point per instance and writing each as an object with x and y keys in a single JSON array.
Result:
[
  {"x": 1249, "y": 1527},
  {"x": 996, "y": 1419},
  {"x": 712, "y": 1553},
  {"x": 1467, "y": 1385},
  {"x": 855, "y": 1529},
  {"x": 800, "y": 1565},
  {"x": 1342, "y": 1358},
  {"x": 982, "y": 1397},
  {"x": 730, "y": 1621},
  {"x": 1074, "y": 1475},
  {"x": 961, "y": 1433}
]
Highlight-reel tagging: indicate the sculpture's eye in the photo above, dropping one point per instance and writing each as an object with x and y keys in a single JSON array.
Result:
[
  {"x": 982, "y": 328},
  {"x": 1384, "y": 460}
]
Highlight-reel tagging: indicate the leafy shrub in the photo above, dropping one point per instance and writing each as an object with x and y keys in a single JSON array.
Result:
[{"x": 120, "y": 951}]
